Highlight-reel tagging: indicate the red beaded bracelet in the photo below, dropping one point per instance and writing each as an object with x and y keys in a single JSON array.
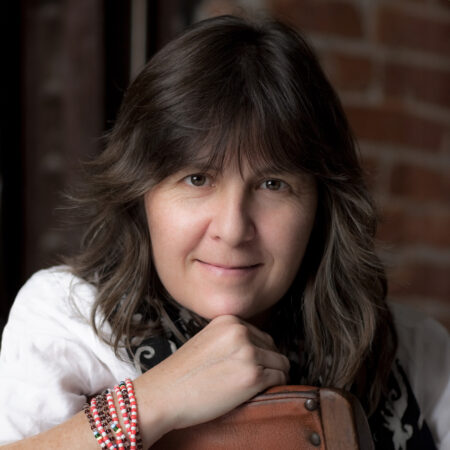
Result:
[
  {"x": 115, "y": 425},
  {"x": 122, "y": 405},
  {"x": 102, "y": 436},
  {"x": 124, "y": 392},
  {"x": 134, "y": 414},
  {"x": 102, "y": 416}
]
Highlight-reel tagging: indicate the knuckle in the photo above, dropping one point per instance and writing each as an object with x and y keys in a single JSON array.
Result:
[
  {"x": 248, "y": 352},
  {"x": 253, "y": 376},
  {"x": 239, "y": 333},
  {"x": 224, "y": 319}
]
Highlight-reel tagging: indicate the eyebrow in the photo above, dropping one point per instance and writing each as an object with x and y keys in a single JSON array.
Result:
[
  {"x": 270, "y": 170},
  {"x": 202, "y": 163},
  {"x": 258, "y": 172}
]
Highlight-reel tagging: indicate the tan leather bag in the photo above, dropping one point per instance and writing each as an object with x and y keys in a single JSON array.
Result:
[{"x": 283, "y": 417}]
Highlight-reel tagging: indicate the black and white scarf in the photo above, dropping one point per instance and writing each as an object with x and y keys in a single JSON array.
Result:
[{"x": 397, "y": 424}]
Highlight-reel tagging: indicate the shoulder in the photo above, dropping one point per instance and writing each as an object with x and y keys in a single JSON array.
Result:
[
  {"x": 54, "y": 307},
  {"x": 413, "y": 324},
  {"x": 51, "y": 358},
  {"x": 54, "y": 285},
  {"x": 50, "y": 294},
  {"x": 423, "y": 342},
  {"x": 424, "y": 353}
]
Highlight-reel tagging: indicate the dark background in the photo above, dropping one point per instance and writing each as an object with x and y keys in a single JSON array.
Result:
[{"x": 66, "y": 64}]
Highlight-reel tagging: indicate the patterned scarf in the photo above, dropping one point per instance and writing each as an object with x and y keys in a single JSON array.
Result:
[{"x": 397, "y": 423}]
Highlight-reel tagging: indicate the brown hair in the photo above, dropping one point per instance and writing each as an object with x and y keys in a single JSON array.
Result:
[{"x": 255, "y": 90}]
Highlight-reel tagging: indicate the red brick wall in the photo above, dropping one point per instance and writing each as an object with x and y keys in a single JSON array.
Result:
[{"x": 390, "y": 62}]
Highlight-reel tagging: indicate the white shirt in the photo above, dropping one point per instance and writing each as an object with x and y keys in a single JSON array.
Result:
[{"x": 51, "y": 359}]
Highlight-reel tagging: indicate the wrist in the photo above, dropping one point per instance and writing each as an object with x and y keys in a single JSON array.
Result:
[{"x": 154, "y": 421}]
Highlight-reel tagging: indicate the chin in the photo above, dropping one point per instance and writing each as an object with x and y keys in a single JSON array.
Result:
[
  {"x": 251, "y": 316},
  {"x": 223, "y": 307}
]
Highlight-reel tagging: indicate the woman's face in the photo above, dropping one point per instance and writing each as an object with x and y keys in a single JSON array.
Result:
[{"x": 230, "y": 242}]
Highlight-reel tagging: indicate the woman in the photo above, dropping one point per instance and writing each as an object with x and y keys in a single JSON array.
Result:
[{"x": 229, "y": 248}]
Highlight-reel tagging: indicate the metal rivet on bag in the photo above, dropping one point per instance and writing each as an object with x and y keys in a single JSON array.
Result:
[
  {"x": 314, "y": 439},
  {"x": 311, "y": 404}
]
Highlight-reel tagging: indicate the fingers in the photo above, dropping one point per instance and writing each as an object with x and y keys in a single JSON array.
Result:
[
  {"x": 273, "y": 377},
  {"x": 262, "y": 351},
  {"x": 261, "y": 338},
  {"x": 273, "y": 360},
  {"x": 256, "y": 336},
  {"x": 257, "y": 378},
  {"x": 255, "y": 345},
  {"x": 267, "y": 359}
]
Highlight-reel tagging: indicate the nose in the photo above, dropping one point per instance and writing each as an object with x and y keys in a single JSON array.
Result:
[{"x": 232, "y": 220}]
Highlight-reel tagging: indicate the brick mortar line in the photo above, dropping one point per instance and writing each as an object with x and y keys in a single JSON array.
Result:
[
  {"x": 428, "y": 110},
  {"x": 434, "y": 11},
  {"x": 392, "y": 154},
  {"x": 377, "y": 51},
  {"x": 411, "y": 58},
  {"x": 384, "y": 200},
  {"x": 410, "y": 253},
  {"x": 382, "y": 181},
  {"x": 376, "y": 96},
  {"x": 409, "y": 206}
]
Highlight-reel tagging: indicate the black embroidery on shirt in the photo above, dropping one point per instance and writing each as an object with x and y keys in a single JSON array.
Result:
[{"x": 396, "y": 424}]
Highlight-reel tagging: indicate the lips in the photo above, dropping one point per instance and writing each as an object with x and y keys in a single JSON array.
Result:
[
  {"x": 230, "y": 267},
  {"x": 226, "y": 270}
]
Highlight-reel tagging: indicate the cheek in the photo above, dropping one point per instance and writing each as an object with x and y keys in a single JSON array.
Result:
[
  {"x": 288, "y": 235},
  {"x": 173, "y": 231}
]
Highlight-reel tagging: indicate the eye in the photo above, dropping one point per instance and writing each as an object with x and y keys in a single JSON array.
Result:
[
  {"x": 273, "y": 185},
  {"x": 198, "y": 180}
]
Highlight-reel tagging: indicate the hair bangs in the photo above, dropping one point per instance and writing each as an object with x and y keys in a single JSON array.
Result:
[{"x": 238, "y": 131}]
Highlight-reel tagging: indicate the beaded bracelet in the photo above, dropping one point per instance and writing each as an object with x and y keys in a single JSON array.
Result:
[
  {"x": 87, "y": 411},
  {"x": 103, "y": 419},
  {"x": 124, "y": 392},
  {"x": 107, "y": 418},
  {"x": 102, "y": 436},
  {"x": 134, "y": 429},
  {"x": 99, "y": 419},
  {"x": 115, "y": 425},
  {"x": 122, "y": 405}
]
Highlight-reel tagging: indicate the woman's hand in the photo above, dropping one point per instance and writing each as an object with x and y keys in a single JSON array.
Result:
[{"x": 225, "y": 364}]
